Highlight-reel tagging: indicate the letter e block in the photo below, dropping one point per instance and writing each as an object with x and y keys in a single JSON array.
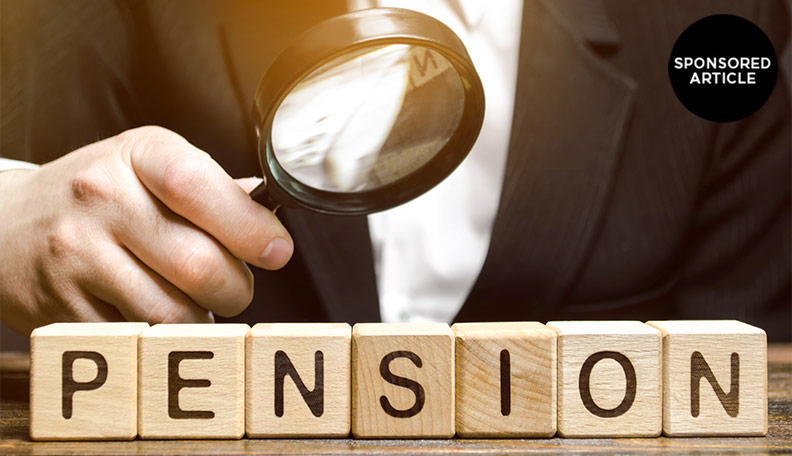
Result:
[
  {"x": 83, "y": 381},
  {"x": 608, "y": 379},
  {"x": 505, "y": 379},
  {"x": 714, "y": 378},
  {"x": 402, "y": 380},
  {"x": 192, "y": 381},
  {"x": 298, "y": 380}
]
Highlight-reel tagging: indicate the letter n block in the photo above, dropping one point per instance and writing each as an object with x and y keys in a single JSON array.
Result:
[
  {"x": 714, "y": 378},
  {"x": 402, "y": 380},
  {"x": 192, "y": 381},
  {"x": 505, "y": 379},
  {"x": 608, "y": 379},
  {"x": 298, "y": 380},
  {"x": 83, "y": 381}
]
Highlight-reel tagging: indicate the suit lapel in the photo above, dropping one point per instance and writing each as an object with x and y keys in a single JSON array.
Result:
[
  {"x": 254, "y": 33},
  {"x": 588, "y": 21},
  {"x": 337, "y": 252},
  {"x": 570, "y": 113}
]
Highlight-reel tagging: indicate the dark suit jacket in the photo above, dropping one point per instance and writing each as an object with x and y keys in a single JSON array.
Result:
[{"x": 617, "y": 202}]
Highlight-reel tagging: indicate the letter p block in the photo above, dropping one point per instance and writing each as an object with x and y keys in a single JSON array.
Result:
[
  {"x": 402, "y": 380},
  {"x": 84, "y": 381}
]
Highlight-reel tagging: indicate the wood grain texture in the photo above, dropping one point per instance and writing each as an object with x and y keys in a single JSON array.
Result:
[
  {"x": 714, "y": 378},
  {"x": 276, "y": 405},
  {"x": 14, "y": 428},
  {"x": 77, "y": 370},
  {"x": 608, "y": 379},
  {"x": 505, "y": 379},
  {"x": 419, "y": 357},
  {"x": 192, "y": 381}
]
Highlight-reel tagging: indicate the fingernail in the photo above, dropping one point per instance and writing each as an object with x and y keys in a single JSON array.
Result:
[{"x": 276, "y": 253}]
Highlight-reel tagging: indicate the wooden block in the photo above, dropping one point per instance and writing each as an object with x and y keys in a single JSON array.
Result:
[
  {"x": 83, "y": 381},
  {"x": 192, "y": 381},
  {"x": 298, "y": 380},
  {"x": 402, "y": 380},
  {"x": 714, "y": 378},
  {"x": 505, "y": 379},
  {"x": 608, "y": 379}
]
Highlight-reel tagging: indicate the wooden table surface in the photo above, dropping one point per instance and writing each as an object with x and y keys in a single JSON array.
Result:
[{"x": 14, "y": 381}]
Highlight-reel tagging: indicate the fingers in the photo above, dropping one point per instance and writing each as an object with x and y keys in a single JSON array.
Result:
[
  {"x": 185, "y": 256},
  {"x": 83, "y": 306},
  {"x": 92, "y": 308},
  {"x": 192, "y": 185},
  {"x": 75, "y": 307},
  {"x": 137, "y": 292}
]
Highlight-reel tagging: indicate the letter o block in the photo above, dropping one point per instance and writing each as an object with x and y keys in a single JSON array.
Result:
[
  {"x": 714, "y": 378},
  {"x": 83, "y": 381},
  {"x": 192, "y": 381},
  {"x": 608, "y": 379},
  {"x": 402, "y": 380}
]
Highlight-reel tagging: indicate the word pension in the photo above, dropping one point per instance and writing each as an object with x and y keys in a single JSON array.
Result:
[{"x": 378, "y": 380}]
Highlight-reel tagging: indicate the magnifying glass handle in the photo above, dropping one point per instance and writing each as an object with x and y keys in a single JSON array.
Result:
[{"x": 263, "y": 197}]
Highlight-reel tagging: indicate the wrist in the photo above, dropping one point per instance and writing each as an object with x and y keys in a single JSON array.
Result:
[{"x": 11, "y": 181}]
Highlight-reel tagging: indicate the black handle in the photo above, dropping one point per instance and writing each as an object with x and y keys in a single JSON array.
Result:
[{"x": 263, "y": 197}]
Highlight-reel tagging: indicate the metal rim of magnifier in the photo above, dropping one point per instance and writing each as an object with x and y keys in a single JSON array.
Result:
[{"x": 332, "y": 39}]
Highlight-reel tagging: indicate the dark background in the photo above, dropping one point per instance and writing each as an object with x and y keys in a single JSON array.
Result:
[{"x": 633, "y": 204}]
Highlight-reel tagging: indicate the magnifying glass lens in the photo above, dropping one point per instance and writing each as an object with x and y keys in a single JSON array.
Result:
[
  {"x": 365, "y": 111},
  {"x": 368, "y": 118}
]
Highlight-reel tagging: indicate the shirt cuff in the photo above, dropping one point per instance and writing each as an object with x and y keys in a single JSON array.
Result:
[{"x": 7, "y": 164}]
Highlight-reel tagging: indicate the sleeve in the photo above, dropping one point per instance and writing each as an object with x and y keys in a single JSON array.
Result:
[
  {"x": 737, "y": 260},
  {"x": 7, "y": 164},
  {"x": 66, "y": 75}
]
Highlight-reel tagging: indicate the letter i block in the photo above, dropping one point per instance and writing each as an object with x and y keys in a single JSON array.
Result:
[
  {"x": 402, "y": 380},
  {"x": 192, "y": 381},
  {"x": 714, "y": 378},
  {"x": 505, "y": 379},
  {"x": 298, "y": 380},
  {"x": 83, "y": 381},
  {"x": 608, "y": 379}
]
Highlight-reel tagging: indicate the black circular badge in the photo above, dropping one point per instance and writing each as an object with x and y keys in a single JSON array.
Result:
[{"x": 723, "y": 68}]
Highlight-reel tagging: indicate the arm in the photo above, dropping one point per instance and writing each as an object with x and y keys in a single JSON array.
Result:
[{"x": 142, "y": 226}]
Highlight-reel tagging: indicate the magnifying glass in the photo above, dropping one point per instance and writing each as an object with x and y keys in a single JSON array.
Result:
[{"x": 365, "y": 111}]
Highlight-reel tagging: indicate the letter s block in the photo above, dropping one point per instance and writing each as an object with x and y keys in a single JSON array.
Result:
[
  {"x": 298, "y": 380},
  {"x": 83, "y": 381},
  {"x": 192, "y": 381},
  {"x": 608, "y": 379},
  {"x": 402, "y": 380},
  {"x": 714, "y": 378}
]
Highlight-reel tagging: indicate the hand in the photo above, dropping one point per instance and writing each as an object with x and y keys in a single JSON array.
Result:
[{"x": 142, "y": 226}]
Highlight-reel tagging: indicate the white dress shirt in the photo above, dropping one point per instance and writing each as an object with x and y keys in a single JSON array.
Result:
[
  {"x": 8, "y": 164},
  {"x": 429, "y": 251}
]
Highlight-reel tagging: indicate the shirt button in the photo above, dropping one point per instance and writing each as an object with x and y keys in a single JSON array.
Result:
[{"x": 404, "y": 316}]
